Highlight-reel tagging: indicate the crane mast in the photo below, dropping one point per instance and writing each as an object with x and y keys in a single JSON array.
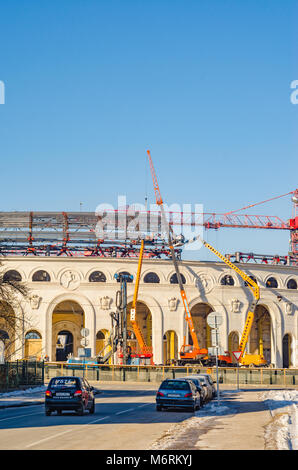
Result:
[{"x": 187, "y": 351}]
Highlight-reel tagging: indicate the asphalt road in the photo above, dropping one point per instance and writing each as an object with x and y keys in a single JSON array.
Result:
[{"x": 124, "y": 418}]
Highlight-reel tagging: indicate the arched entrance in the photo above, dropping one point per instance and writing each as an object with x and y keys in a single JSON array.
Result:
[
  {"x": 144, "y": 321},
  {"x": 170, "y": 347},
  {"x": 286, "y": 351},
  {"x": 233, "y": 344},
  {"x": 67, "y": 321},
  {"x": 64, "y": 345},
  {"x": 260, "y": 334},
  {"x": 103, "y": 345},
  {"x": 8, "y": 334},
  {"x": 199, "y": 313},
  {"x": 33, "y": 345}
]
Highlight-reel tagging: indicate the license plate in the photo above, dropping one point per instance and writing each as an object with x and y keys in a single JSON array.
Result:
[
  {"x": 173, "y": 395},
  {"x": 61, "y": 394}
]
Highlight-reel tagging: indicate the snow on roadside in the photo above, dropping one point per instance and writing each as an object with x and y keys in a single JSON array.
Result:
[
  {"x": 27, "y": 391},
  {"x": 173, "y": 436},
  {"x": 282, "y": 432}
]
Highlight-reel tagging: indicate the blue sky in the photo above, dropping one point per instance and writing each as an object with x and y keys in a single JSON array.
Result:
[{"x": 205, "y": 85}]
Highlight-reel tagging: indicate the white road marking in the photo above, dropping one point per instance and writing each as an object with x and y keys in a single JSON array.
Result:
[
  {"x": 64, "y": 432},
  {"x": 124, "y": 411},
  {"x": 21, "y": 416}
]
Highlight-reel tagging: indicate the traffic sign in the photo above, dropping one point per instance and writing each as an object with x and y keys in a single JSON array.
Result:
[
  {"x": 84, "y": 342},
  {"x": 214, "y": 319},
  {"x": 237, "y": 354},
  {"x": 85, "y": 332}
]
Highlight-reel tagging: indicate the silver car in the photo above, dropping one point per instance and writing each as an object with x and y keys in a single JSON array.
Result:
[
  {"x": 205, "y": 385},
  {"x": 211, "y": 382}
]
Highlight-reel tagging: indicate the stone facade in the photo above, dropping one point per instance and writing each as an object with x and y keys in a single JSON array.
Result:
[{"x": 69, "y": 282}]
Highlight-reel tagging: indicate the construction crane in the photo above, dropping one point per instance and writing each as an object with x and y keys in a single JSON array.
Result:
[
  {"x": 188, "y": 353},
  {"x": 246, "y": 359},
  {"x": 146, "y": 351}
]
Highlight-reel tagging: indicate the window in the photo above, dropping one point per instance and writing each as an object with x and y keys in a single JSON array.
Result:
[
  {"x": 3, "y": 335},
  {"x": 292, "y": 284},
  {"x": 174, "y": 385},
  {"x": 253, "y": 279},
  {"x": 151, "y": 278},
  {"x": 271, "y": 283},
  {"x": 126, "y": 274},
  {"x": 227, "y": 280},
  {"x": 32, "y": 335},
  {"x": 174, "y": 280},
  {"x": 41, "y": 276},
  {"x": 12, "y": 275},
  {"x": 97, "y": 276}
]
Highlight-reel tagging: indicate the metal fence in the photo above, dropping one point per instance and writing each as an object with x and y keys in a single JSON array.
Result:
[
  {"x": 155, "y": 374},
  {"x": 17, "y": 374}
]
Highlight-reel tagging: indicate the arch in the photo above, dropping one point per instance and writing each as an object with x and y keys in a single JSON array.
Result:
[
  {"x": 33, "y": 345},
  {"x": 12, "y": 275},
  {"x": 199, "y": 313},
  {"x": 233, "y": 344},
  {"x": 157, "y": 324},
  {"x": 170, "y": 347},
  {"x": 291, "y": 284},
  {"x": 260, "y": 334},
  {"x": 89, "y": 322},
  {"x": 103, "y": 346},
  {"x": 97, "y": 276},
  {"x": 253, "y": 279},
  {"x": 227, "y": 280},
  {"x": 130, "y": 279},
  {"x": 144, "y": 321},
  {"x": 174, "y": 280},
  {"x": 287, "y": 345},
  {"x": 271, "y": 283},
  {"x": 151, "y": 278},
  {"x": 8, "y": 334},
  {"x": 64, "y": 345},
  {"x": 68, "y": 318},
  {"x": 41, "y": 276}
]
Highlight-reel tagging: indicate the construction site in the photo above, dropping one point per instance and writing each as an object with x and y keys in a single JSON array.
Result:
[{"x": 113, "y": 287}]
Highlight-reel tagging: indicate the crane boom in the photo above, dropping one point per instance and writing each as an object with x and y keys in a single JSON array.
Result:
[
  {"x": 195, "y": 349},
  {"x": 253, "y": 286},
  {"x": 145, "y": 350}
]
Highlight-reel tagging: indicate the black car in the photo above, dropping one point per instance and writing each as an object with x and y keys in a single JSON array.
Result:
[
  {"x": 178, "y": 393},
  {"x": 69, "y": 393}
]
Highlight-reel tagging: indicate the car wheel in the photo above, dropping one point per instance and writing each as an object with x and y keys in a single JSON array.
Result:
[
  {"x": 48, "y": 412},
  {"x": 59, "y": 412},
  {"x": 92, "y": 409},
  {"x": 158, "y": 407}
]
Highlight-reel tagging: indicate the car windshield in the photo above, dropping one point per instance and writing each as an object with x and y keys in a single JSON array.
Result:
[
  {"x": 63, "y": 382},
  {"x": 174, "y": 385}
]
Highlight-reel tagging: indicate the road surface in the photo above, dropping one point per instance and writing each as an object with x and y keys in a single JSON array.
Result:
[{"x": 124, "y": 418}]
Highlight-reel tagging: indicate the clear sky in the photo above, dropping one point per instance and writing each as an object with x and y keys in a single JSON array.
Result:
[{"x": 90, "y": 85}]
